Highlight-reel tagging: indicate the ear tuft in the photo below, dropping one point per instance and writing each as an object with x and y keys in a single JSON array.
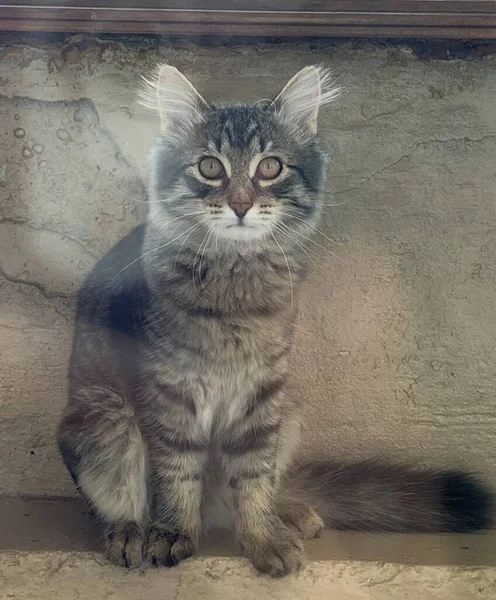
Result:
[
  {"x": 179, "y": 104},
  {"x": 298, "y": 103}
]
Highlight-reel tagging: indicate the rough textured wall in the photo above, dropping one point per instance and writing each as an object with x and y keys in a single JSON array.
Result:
[{"x": 395, "y": 353}]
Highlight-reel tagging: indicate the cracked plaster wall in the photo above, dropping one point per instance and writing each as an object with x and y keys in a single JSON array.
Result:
[{"x": 395, "y": 353}]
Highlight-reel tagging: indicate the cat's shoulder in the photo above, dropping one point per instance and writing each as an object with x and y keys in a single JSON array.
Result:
[{"x": 117, "y": 283}]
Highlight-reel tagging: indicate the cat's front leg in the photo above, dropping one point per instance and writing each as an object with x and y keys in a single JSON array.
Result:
[
  {"x": 249, "y": 455},
  {"x": 178, "y": 456}
]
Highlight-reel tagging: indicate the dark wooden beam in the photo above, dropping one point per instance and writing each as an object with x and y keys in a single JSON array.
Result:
[{"x": 467, "y": 19}]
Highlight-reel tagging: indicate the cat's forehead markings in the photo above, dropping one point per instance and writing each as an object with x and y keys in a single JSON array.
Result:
[
  {"x": 268, "y": 146},
  {"x": 213, "y": 148},
  {"x": 225, "y": 142},
  {"x": 255, "y": 143},
  {"x": 251, "y": 128},
  {"x": 252, "y": 136}
]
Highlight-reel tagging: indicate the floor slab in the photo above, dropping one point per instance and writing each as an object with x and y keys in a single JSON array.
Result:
[{"x": 63, "y": 525}]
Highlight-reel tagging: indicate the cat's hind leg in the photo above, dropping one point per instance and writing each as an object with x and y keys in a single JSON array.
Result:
[{"x": 103, "y": 448}]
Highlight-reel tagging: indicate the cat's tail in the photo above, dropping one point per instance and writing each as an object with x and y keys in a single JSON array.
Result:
[{"x": 378, "y": 497}]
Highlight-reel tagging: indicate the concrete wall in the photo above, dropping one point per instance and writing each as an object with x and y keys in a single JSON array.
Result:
[{"x": 395, "y": 352}]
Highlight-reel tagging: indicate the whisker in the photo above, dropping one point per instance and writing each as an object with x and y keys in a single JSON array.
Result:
[
  {"x": 194, "y": 263},
  {"x": 312, "y": 227},
  {"x": 183, "y": 242},
  {"x": 320, "y": 246},
  {"x": 336, "y": 204},
  {"x": 201, "y": 260},
  {"x": 130, "y": 197},
  {"x": 297, "y": 233},
  {"x": 155, "y": 250},
  {"x": 304, "y": 248},
  {"x": 198, "y": 212},
  {"x": 287, "y": 264}
]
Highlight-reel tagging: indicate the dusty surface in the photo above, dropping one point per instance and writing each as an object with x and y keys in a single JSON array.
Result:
[
  {"x": 396, "y": 346},
  {"x": 48, "y": 550},
  {"x": 68, "y": 576},
  {"x": 40, "y": 525}
]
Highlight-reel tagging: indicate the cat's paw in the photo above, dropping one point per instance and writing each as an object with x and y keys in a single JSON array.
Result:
[
  {"x": 278, "y": 555},
  {"x": 124, "y": 544},
  {"x": 166, "y": 548},
  {"x": 301, "y": 517},
  {"x": 183, "y": 547}
]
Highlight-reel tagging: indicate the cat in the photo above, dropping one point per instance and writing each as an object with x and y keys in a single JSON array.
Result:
[{"x": 176, "y": 382}]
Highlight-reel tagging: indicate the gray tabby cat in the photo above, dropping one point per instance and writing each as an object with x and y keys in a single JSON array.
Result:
[{"x": 176, "y": 402}]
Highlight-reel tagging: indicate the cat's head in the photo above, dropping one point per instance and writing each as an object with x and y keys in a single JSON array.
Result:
[{"x": 242, "y": 172}]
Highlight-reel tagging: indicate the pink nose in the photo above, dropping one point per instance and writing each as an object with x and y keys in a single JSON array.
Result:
[{"x": 241, "y": 208}]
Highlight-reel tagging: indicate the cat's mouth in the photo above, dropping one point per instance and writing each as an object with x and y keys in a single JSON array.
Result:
[
  {"x": 241, "y": 229},
  {"x": 240, "y": 223}
]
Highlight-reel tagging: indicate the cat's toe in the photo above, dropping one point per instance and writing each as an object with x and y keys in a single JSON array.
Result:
[
  {"x": 124, "y": 545},
  {"x": 182, "y": 548},
  {"x": 277, "y": 556},
  {"x": 166, "y": 548},
  {"x": 158, "y": 546},
  {"x": 303, "y": 518}
]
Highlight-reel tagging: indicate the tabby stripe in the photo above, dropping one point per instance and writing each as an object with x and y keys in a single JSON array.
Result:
[
  {"x": 177, "y": 397},
  {"x": 213, "y": 313},
  {"x": 305, "y": 209},
  {"x": 251, "y": 136},
  {"x": 204, "y": 311},
  {"x": 194, "y": 477},
  {"x": 228, "y": 132},
  {"x": 249, "y": 475},
  {"x": 252, "y": 440},
  {"x": 171, "y": 472},
  {"x": 169, "y": 439},
  {"x": 265, "y": 392},
  {"x": 304, "y": 176},
  {"x": 275, "y": 358}
]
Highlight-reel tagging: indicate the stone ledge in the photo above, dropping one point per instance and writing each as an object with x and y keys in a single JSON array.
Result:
[
  {"x": 85, "y": 576},
  {"x": 48, "y": 550},
  {"x": 62, "y": 525}
]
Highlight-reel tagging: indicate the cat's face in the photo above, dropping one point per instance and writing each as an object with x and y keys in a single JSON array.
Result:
[{"x": 242, "y": 173}]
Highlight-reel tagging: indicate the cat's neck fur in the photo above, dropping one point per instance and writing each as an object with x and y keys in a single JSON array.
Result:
[{"x": 226, "y": 280}]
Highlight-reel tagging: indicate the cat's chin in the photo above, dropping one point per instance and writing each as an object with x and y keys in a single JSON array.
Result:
[{"x": 243, "y": 233}]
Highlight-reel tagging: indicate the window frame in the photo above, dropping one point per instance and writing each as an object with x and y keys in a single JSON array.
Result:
[{"x": 466, "y": 19}]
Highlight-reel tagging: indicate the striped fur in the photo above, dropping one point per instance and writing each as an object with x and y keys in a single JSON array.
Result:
[{"x": 176, "y": 397}]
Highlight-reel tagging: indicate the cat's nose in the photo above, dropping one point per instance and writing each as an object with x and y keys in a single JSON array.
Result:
[
  {"x": 241, "y": 207},
  {"x": 241, "y": 202}
]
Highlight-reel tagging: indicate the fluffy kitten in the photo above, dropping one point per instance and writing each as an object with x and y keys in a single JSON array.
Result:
[{"x": 180, "y": 352}]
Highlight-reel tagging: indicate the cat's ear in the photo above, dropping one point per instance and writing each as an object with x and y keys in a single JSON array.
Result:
[
  {"x": 179, "y": 104},
  {"x": 298, "y": 103}
]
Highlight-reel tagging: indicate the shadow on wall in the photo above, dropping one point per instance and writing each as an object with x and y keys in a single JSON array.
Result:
[{"x": 67, "y": 195}]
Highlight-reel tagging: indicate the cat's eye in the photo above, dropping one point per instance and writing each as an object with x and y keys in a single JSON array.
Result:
[
  {"x": 269, "y": 168},
  {"x": 211, "y": 168}
]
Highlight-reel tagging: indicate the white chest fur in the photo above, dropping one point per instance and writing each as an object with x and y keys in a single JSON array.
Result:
[{"x": 226, "y": 392}]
